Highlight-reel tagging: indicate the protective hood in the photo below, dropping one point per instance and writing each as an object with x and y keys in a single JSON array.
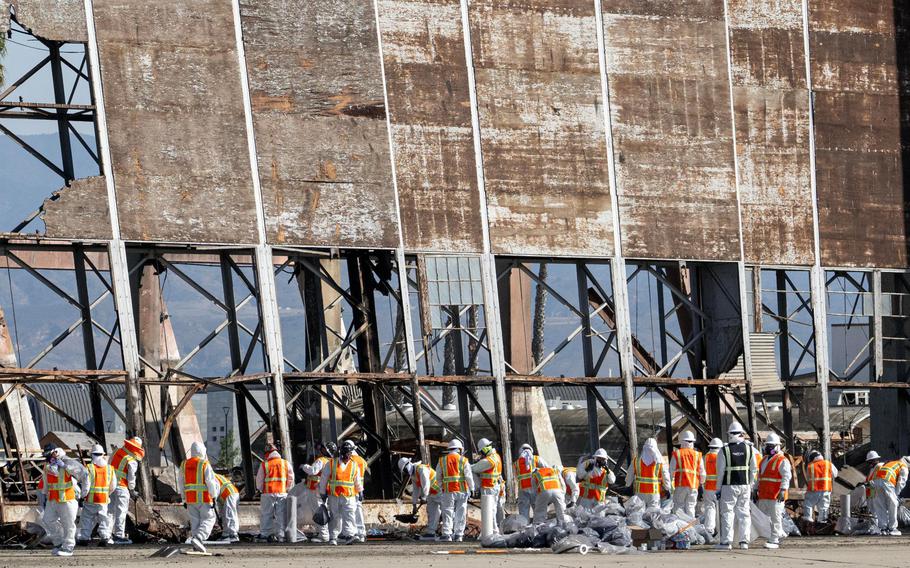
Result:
[
  {"x": 819, "y": 457},
  {"x": 527, "y": 455},
  {"x": 273, "y": 455},
  {"x": 649, "y": 452},
  {"x": 197, "y": 450},
  {"x": 100, "y": 461},
  {"x": 736, "y": 438},
  {"x": 687, "y": 445},
  {"x": 411, "y": 467}
]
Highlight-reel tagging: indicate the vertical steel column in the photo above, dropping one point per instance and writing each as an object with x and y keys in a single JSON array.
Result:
[
  {"x": 587, "y": 349},
  {"x": 877, "y": 322},
  {"x": 243, "y": 421},
  {"x": 63, "y": 128},
  {"x": 88, "y": 340},
  {"x": 783, "y": 312},
  {"x": 118, "y": 266}
]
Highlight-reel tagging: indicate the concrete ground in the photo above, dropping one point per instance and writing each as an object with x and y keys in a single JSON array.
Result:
[{"x": 828, "y": 551}]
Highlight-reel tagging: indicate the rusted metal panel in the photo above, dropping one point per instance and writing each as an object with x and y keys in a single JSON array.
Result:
[
  {"x": 771, "y": 110},
  {"x": 58, "y": 20},
  {"x": 175, "y": 120},
  {"x": 672, "y": 129},
  {"x": 541, "y": 122},
  {"x": 80, "y": 211},
  {"x": 427, "y": 81},
  {"x": 320, "y": 122},
  {"x": 858, "y": 113}
]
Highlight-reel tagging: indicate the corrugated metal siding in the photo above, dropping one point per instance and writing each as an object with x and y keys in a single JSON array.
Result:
[
  {"x": 75, "y": 401},
  {"x": 764, "y": 364}
]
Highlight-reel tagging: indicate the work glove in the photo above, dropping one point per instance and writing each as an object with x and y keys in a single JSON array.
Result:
[
  {"x": 134, "y": 494},
  {"x": 570, "y": 504},
  {"x": 701, "y": 493},
  {"x": 184, "y": 504},
  {"x": 780, "y": 496},
  {"x": 360, "y": 497},
  {"x": 589, "y": 466}
]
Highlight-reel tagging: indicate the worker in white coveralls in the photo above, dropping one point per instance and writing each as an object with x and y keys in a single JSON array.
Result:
[
  {"x": 99, "y": 484},
  {"x": 820, "y": 476},
  {"x": 737, "y": 469},
  {"x": 550, "y": 491},
  {"x": 424, "y": 489},
  {"x": 310, "y": 498},
  {"x": 570, "y": 479},
  {"x": 60, "y": 482},
  {"x": 594, "y": 478},
  {"x": 688, "y": 473},
  {"x": 711, "y": 486},
  {"x": 125, "y": 462},
  {"x": 774, "y": 477},
  {"x": 199, "y": 487},
  {"x": 363, "y": 467},
  {"x": 524, "y": 468},
  {"x": 488, "y": 470},
  {"x": 648, "y": 475},
  {"x": 341, "y": 483},
  {"x": 228, "y": 501},
  {"x": 273, "y": 480},
  {"x": 453, "y": 473},
  {"x": 890, "y": 479}
]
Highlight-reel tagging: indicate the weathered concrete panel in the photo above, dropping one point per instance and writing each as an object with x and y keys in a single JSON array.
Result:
[
  {"x": 856, "y": 75},
  {"x": 319, "y": 117},
  {"x": 80, "y": 211},
  {"x": 175, "y": 120},
  {"x": 427, "y": 80},
  {"x": 541, "y": 121},
  {"x": 670, "y": 104},
  {"x": 59, "y": 20},
  {"x": 771, "y": 110}
]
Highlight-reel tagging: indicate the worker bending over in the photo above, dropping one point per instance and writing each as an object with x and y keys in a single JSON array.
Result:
[
  {"x": 594, "y": 477},
  {"x": 228, "y": 500},
  {"x": 737, "y": 468},
  {"x": 488, "y": 469},
  {"x": 773, "y": 481},
  {"x": 341, "y": 483},
  {"x": 99, "y": 483},
  {"x": 525, "y": 465},
  {"x": 126, "y": 464},
  {"x": 820, "y": 476},
  {"x": 688, "y": 473},
  {"x": 711, "y": 487},
  {"x": 273, "y": 480},
  {"x": 648, "y": 476},
  {"x": 62, "y": 490},
  {"x": 198, "y": 486},
  {"x": 550, "y": 490},
  {"x": 570, "y": 479},
  {"x": 424, "y": 490},
  {"x": 311, "y": 496},
  {"x": 873, "y": 462},
  {"x": 453, "y": 472},
  {"x": 890, "y": 479}
]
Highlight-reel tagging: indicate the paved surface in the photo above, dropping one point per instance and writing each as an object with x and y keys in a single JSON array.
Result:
[{"x": 823, "y": 551}]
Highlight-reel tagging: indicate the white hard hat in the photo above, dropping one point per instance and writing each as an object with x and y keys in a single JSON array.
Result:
[
  {"x": 483, "y": 443},
  {"x": 600, "y": 453},
  {"x": 97, "y": 450},
  {"x": 715, "y": 443},
  {"x": 688, "y": 436},
  {"x": 137, "y": 440},
  {"x": 735, "y": 428},
  {"x": 526, "y": 446},
  {"x": 456, "y": 444},
  {"x": 403, "y": 463},
  {"x": 873, "y": 455},
  {"x": 772, "y": 439}
]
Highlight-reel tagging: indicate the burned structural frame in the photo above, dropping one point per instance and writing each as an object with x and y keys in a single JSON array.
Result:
[{"x": 725, "y": 196}]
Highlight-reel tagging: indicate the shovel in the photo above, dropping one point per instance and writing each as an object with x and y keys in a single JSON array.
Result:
[{"x": 408, "y": 518}]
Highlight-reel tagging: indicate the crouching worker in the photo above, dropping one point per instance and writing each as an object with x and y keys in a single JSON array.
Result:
[
  {"x": 197, "y": 484},
  {"x": 594, "y": 479},
  {"x": 228, "y": 500},
  {"x": 550, "y": 490}
]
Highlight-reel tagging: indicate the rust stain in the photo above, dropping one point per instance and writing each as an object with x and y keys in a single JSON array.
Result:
[
  {"x": 262, "y": 102},
  {"x": 327, "y": 169}
]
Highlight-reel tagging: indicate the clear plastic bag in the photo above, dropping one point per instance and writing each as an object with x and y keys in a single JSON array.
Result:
[
  {"x": 790, "y": 527},
  {"x": 514, "y": 524},
  {"x": 903, "y": 516},
  {"x": 575, "y": 543}
]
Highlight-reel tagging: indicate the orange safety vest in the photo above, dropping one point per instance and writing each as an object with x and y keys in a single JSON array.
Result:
[
  {"x": 454, "y": 468},
  {"x": 546, "y": 479},
  {"x": 275, "y": 480},
  {"x": 60, "y": 491},
  {"x": 489, "y": 478},
  {"x": 434, "y": 487},
  {"x": 711, "y": 472},
  {"x": 687, "y": 462},
  {"x": 890, "y": 471},
  {"x": 770, "y": 479},
  {"x": 361, "y": 468},
  {"x": 312, "y": 481},
  {"x": 194, "y": 488},
  {"x": 818, "y": 476},
  {"x": 342, "y": 478},
  {"x": 565, "y": 477},
  {"x": 523, "y": 472},
  {"x": 648, "y": 477},
  {"x": 99, "y": 482},
  {"x": 123, "y": 457},
  {"x": 595, "y": 488},
  {"x": 869, "y": 477},
  {"x": 227, "y": 488}
]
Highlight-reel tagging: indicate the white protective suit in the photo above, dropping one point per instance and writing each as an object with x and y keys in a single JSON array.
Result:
[
  {"x": 772, "y": 507},
  {"x": 454, "y": 505},
  {"x": 273, "y": 506},
  {"x": 361, "y": 535},
  {"x": 96, "y": 514},
  {"x": 420, "y": 491},
  {"x": 709, "y": 503},
  {"x": 735, "y": 500},
  {"x": 818, "y": 500},
  {"x": 685, "y": 498},
  {"x": 885, "y": 500},
  {"x": 649, "y": 455},
  {"x": 343, "y": 509},
  {"x": 202, "y": 515},
  {"x": 570, "y": 478},
  {"x": 62, "y": 514},
  {"x": 581, "y": 474},
  {"x": 309, "y": 499},
  {"x": 230, "y": 516},
  {"x": 484, "y": 465},
  {"x": 547, "y": 497},
  {"x": 120, "y": 501}
]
